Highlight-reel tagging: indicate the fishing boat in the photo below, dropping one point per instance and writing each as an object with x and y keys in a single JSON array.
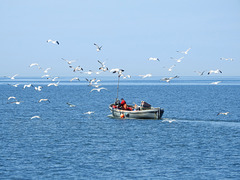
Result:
[
  {"x": 144, "y": 111},
  {"x": 136, "y": 112}
]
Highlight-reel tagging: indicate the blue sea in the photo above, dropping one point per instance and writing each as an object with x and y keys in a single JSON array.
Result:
[{"x": 65, "y": 143}]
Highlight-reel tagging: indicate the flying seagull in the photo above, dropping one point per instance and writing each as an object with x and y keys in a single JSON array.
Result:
[
  {"x": 200, "y": 72},
  {"x": 116, "y": 70},
  {"x": 146, "y": 75},
  {"x": 46, "y": 70},
  {"x": 38, "y": 88},
  {"x": 52, "y": 41},
  {"x": 11, "y": 97},
  {"x": 69, "y": 62},
  {"x": 227, "y": 59},
  {"x": 214, "y": 71},
  {"x": 16, "y": 102},
  {"x": 170, "y": 69},
  {"x": 98, "y": 89},
  {"x": 12, "y": 77},
  {"x": 169, "y": 79},
  {"x": 184, "y": 52},
  {"x": 35, "y": 64},
  {"x": 75, "y": 78},
  {"x": 14, "y": 85},
  {"x": 89, "y": 112},
  {"x": 153, "y": 59},
  {"x": 35, "y": 117},
  {"x": 178, "y": 60},
  {"x": 215, "y": 83},
  {"x": 53, "y": 84},
  {"x": 27, "y": 85},
  {"x": 44, "y": 100},
  {"x": 98, "y": 47},
  {"x": 226, "y": 113}
]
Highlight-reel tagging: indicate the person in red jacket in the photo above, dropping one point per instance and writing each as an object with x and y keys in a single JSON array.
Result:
[{"x": 123, "y": 104}]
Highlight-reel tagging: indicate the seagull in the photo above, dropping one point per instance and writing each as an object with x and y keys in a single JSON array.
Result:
[
  {"x": 16, "y": 102},
  {"x": 116, "y": 70},
  {"x": 12, "y": 77},
  {"x": 214, "y": 71},
  {"x": 184, "y": 52},
  {"x": 70, "y": 105},
  {"x": 75, "y": 78},
  {"x": 169, "y": 79},
  {"x": 52, "y": 41},
  {"x": 178, "y": 60},
  {"x": 11, "y": 97},
  {"x": 89, "y": 112},
  {"x": 153, "y": 59},
  {"x": 39, "y": 88},
  {"x": 69, "y": 62},
  {"x": 53, "y": 84},
  {"x": 144, "y": 76},
  {"x": 170, "y": 69},
  {"x": 89, "y": 72},
  {"x": 27, "y": 85},
  {"x": 230, "y": 59},
  {"x": 200, "y": 72},
  {"x": 35, "y": 117},
  {"x": 54, "y": 78},
  {"x": 226, "y": 113},
  {"x": 46, "y": 70},
  {"x": 35, "y": 64},
  {"x": 98, "y": 89},
  {"x": 96, "y": 85},
  {"x": 168, "y": 120},
  {"x": 14, "y": 85},
  {"x": 91, "y": 81},
  {"x": 43, "y": 100},
  {"x": 46, "y": 75},
  {"x": 78, "y": 68},
  {"x": 125, "y": 76},
  {"x": 98, "y": 47},
  {"x": 215, "y": 83}
]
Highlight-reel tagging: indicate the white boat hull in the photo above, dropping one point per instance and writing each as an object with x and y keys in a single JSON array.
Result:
[{"x": 153, "y": 113}]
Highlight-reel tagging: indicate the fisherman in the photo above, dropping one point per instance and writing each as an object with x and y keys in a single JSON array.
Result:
[{"x": 123, "y": 104}]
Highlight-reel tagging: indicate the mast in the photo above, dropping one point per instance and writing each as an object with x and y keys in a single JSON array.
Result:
[{"x": 118, "y": 85}]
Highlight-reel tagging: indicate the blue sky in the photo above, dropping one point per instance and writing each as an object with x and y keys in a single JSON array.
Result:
[{"x": 129, "y": 31}]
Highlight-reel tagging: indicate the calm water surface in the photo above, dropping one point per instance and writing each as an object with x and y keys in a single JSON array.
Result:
[{"x": 65, "y": 143}]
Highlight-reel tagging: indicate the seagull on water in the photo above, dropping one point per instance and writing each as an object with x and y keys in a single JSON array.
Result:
[
  {"x": 44, "y": 100},
  {"x": 153, "y": 59},
  {"x": 178, "y": 60},
  {"x": 169, "y": 79},
  {"x": 98, "y": 47},
  {"x": 52, "y": 41},
  {"x": 146, "y": 75},
  {"x": 216, "y": 83},
  {"x": 70, "y": 105},
  {"x": 98, "y": 89},
  {"x": 184, "y": 52},
  {"x": 89, "y": 112},
  {"x": 35, "y": 117},
  {"x": 226, "y": 113},
  {"x": 214, "y": 71}
]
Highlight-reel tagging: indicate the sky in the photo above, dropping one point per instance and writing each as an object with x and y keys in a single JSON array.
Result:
[{"x": 130, "y": 32}]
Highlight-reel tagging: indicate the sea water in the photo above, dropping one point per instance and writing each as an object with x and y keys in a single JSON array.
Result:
[{"x": 65, "y": 143}]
